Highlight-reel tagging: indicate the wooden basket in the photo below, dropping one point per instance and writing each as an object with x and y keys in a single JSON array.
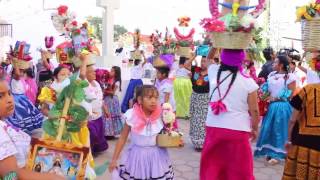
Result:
[
  {"x": 184, "y": 51},
  {"x": 231, "y": 40},
  {"x": 21, "y": 64},
  {"x": 310, "y": 32},
  {"x": 165, "y": 140}
]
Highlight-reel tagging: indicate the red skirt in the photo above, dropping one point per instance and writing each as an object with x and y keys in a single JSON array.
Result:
[{"x": 226, "y": 155}]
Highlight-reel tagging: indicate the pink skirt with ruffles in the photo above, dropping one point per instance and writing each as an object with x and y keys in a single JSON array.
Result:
[{"x": 226, "y": 155}]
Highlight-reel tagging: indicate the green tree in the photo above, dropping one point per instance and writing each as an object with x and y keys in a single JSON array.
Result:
[{"x": 96, "y": 22}]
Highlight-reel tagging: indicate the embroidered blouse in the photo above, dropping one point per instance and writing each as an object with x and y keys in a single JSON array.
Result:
[
  {"x": 200, "y": 83},
  {"x": 306, "y": 131}
]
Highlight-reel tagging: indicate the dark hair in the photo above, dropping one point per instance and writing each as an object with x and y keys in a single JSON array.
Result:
[
  {"x": 295, "y": 57},
  {"x": 136, "y": 62},
  {"x": 117, "y": 75},
  {"x": 144, "y": 90},
  {"x": 164, "y": 70},
  {"x": 267, "y": 53},
  {"x": 30, "y": 73},
  {"x": 57, "y": 71},
  {"x": 285, "y": 62},
  {"x": 182, "y": 60},
  {"x": 234, "y": 70}
]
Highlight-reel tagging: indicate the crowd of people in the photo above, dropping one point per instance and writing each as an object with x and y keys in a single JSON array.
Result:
[{"x": 219, "y": 96}]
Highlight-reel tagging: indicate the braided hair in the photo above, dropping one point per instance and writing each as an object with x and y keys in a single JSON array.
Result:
[
  {"x": 234, "y": 70},
  {"x": 285, "y": 64}
]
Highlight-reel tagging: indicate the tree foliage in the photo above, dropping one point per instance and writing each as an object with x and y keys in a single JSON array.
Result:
[{"x": 96, "y": 22}]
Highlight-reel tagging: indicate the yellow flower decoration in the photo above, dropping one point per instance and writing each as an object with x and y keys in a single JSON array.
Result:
[
  {"x": 47, "y": 95},
  {"x": 300, "y": 12}
]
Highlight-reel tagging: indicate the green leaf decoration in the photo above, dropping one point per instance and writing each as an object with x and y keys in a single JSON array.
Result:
[
  {"x": 78, "y": 113},
  {"x": 78, "y": 94},
  {"x": 54, "y": 113},
  {"x": 66, "y": 137},
  {"x": 83, "y": 84},
  {"x": 73, "y": 127},
  {"x": 50, "y": 128},
  {"x": 73, "y": 77}
]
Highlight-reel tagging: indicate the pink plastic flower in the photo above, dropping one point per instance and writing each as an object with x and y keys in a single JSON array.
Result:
[{"x": 212, "y": 25}]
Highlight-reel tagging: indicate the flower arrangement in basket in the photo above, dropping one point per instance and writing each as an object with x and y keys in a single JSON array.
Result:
[
  {"x": 169, "y": 137},
  {"x": 79, "y": 37},
  {"x": 185, "y": 43},
  {"x": 162, "y": 44},
  {"x": 309, "y": 16},
  {"x": 20, "y": 55},
  {"x": 233, "y": 27}
]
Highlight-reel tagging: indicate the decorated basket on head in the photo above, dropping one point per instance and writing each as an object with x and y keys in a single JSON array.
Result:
[
  {"x": 233, "y": 27},
  {"x": 185, "y": 43},
  {"x": 162, "y": 44},
  {"x": 79, "y": 37},
  {"x": 309, "y": 16},
  {"x": 20, "y": 55},
  {"x": 169, "y": 137}
]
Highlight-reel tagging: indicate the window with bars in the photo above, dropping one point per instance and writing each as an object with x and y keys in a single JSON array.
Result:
[{"x": 5, "y": 30}]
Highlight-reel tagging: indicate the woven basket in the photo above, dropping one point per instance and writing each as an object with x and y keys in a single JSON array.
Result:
[
  {"x": 184, "y": 51},
  {"x": 231, "y": 40},
  {"x": 20, "y": 64},
  {"x": 165, "y": 140},
  {"x": 310, "y": 32}
]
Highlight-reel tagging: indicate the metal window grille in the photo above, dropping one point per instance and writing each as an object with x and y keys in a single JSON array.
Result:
[{"x": 5, "y": 30}]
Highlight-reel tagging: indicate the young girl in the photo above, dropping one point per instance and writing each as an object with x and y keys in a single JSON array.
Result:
[
  {"x": 143, "y": 159},
  {"x": 113, "y": 118},
  {"x": 26, "y": 116},
  {"x": 182, "y": 89},
  {"x": 165, "y": 87},
  {"x": 14, "y": 144}
]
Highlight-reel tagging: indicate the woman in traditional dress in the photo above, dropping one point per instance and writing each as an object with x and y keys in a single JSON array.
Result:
[
  {"x": 199, "y": 103},
  {"x": 182, "y": 88},
  {"x": 303, "y": 145},
  {"x": 274, "y": 131},
  {"x": 226, "y": 151}
]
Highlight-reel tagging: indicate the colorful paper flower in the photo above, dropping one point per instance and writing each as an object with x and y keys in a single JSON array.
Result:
[
  {"x": 62, "y": 10},
  {"x": 213, "y": 25}
]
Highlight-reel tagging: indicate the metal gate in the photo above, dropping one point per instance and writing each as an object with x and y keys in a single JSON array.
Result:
[{"x": 5, "y": 30}]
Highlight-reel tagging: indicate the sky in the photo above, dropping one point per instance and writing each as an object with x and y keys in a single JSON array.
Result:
[{"x": 31, "y": 22}]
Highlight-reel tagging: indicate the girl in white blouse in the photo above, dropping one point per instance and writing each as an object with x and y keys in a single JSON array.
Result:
[{"x": 14, "y": 144}]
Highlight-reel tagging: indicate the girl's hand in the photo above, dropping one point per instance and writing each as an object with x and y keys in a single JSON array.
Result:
[
  {"x": 288, "y": 145},
  {"x": 112, "y": 166},
  {"x": 254, "y": 135},
  {"x": 107, "y": 114}
]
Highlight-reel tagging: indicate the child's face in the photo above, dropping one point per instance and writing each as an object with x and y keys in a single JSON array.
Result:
[
  {"x": 160, "y": 76},
  {"x": 149, "y": 102},
  {"x": 112, "y": 73},
  {"x": 63, "y": 74},
  {"x": 6, "y": 100}
]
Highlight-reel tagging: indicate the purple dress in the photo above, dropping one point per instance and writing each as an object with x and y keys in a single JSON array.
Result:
[{"x": 143, "y": 159}]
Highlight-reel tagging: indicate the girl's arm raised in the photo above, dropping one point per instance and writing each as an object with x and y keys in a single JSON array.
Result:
[{"x": 119, "y": 146}]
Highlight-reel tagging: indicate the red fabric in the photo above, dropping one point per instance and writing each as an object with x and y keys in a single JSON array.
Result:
[{"x": 226, "y": 155}]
